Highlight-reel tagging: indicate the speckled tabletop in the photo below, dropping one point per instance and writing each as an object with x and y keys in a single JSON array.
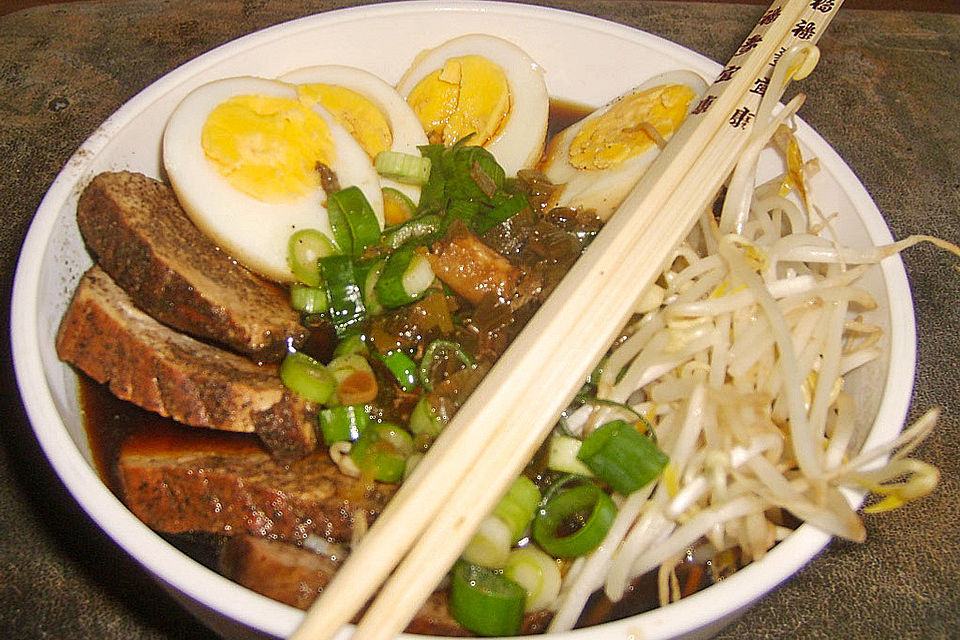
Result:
[{"x": 886, "y": 96}]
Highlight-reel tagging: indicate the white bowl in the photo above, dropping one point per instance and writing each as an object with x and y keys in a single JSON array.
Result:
[{"x": 383, "y": 39}]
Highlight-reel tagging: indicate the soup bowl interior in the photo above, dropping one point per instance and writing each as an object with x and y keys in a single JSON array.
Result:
[{"x": 609, "y": 59}]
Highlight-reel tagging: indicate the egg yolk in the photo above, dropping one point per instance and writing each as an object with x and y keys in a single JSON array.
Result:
[
  {"x": 620, "y": 134},
  {"x": 365, "y": 122},
  {"x": 267, "y": 147},
  {"x": 469, "y": 95}
]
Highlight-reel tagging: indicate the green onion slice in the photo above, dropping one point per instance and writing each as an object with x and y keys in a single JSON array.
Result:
[
  {"x": 490, "y": 544},
  {"x": 518, "y": 506},
  {"x": 560, "y": 482},
  {"x": 537, "y": 573},
  {"x": 397, "y": 206},
  {"x": 622, "y": 457},
  {"x": 562, "y": 455},
  {"x": 403, "y": 167},
  {"x": 352, "y": 343},
  {"x": 362, "y": 223},
  {"x": 344, "y": 301},
  {"x": 382, "y": 451},
  {"x": 433, "y": 351},
  {"x": 405, "y": 278},
  {"x": 573, "y": 522},
  {"x": 344, "y": 423},
  {"x": 485, "y": 601},
  {"x": 339, "y": 225},
  {"x": 418, "y": 277},
  {"x": 303, "y": 375},
  {"x": 304, "y": 248},
  {"x": 421, "y": 230},
  {"x": 403, "y": 369},
  {"x": 356, "y": 382},
  {"x": 343, "y": 366},
  {"x": 308, "y": 300},
  {"x": 370, "y": 299},
  {"x": 424, "y": 419}
]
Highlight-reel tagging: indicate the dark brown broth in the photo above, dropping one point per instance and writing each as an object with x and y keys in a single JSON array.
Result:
[{"x": 112, "y": 423}]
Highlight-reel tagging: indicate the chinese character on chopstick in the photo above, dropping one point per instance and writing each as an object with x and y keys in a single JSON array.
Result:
[
  {"x": 771, "y": 16},
  {"x": 727, "y": 73},
  {"x": 776, "y": 56},
  {"x": 804, "y": 29},
  {"x": 749, "y": 44},
  {"x": 760, "y": 86},
  {"x": 703, "y": 105},
  {"x": 823, "y": 6},
  {"x": 741, "y": 118}
]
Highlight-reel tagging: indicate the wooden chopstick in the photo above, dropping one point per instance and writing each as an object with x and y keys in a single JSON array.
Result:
[{"x": 495, "y": 433}]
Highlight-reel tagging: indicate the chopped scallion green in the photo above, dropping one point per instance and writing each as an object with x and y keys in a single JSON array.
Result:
[
  {"x": 382, "y": 451},
  {"x": 420, "y": 230},
  {"x": 423, "y": 418},
  {"x": 344, "y": 423},
  {"x": 403, "y": 369},
  {"x": 490, "y": 544},
  {"x": 397, "y": 206},
  {"x": 485, "y": 601},
  {"x": 518, "y": 506},
  {"x": 340, "y": 227},
  {"x": 353, "y": 343},
  {"x": 418, "y": 277},
  {"x": 344, "y": 302},
  {"x": 537, "y": 573},
  {"x": 403, "y": 167},
  {"x": 563, "y": 455},
  {"x": 362, "y": 223},
  {"x": 303, "y": 375},
  {"x": 304, "y": 248},
  {"x": 402, "y": 279},
  {"x": 309, "y": 300},
  {"x": 574, "y": 521},
  {"x": 622, "y": 457},
  {"x": 370, "y": 277}
]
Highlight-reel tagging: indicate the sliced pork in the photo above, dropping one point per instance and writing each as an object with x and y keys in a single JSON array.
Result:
[
  {"x": 106, "y": 336},
  {"x": 141, "y": 236}
]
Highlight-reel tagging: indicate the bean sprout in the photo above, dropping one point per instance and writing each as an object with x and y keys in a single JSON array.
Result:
[{"x": 740, "y": 371}]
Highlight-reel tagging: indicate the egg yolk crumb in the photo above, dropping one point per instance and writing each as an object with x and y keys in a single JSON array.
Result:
[
  {"x": 619, "y": 134},
  {"x": 469, "y": 95},
  {"x": 365, "y": 122},
  {"x": 267, "y": 147}
]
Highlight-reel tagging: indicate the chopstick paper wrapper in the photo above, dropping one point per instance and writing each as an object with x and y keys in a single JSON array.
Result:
[{"x": 508, "y": 416}]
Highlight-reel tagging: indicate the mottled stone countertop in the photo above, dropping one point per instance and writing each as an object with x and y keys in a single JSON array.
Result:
[{"x": 886, "y": 96}]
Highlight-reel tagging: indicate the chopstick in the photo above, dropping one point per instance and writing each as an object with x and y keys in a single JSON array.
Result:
[{"x": 497, "y": 431}]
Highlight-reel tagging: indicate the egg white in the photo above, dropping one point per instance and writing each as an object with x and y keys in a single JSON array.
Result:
[
  {"x": 603, "y": 190},
  {"x": 253, "y": 232},
  {"x": 520, "y": 142},
  {"x": 405, "y": 128}
]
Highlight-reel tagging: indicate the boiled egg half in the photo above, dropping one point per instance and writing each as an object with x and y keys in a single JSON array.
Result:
[
  {"x": 369, "y": 108},
  {"x": 242, "y": 155},
  {"x": 599, "y": 159},
  {"x": 484, "y": 87}
]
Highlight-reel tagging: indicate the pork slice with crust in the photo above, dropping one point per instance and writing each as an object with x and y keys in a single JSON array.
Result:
[
  {"x": 141, "y": 236},
  {"x": 106, "y": 336},
  {"x": 235, "y": 489},
  {"x": 296, "y": 576}
]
